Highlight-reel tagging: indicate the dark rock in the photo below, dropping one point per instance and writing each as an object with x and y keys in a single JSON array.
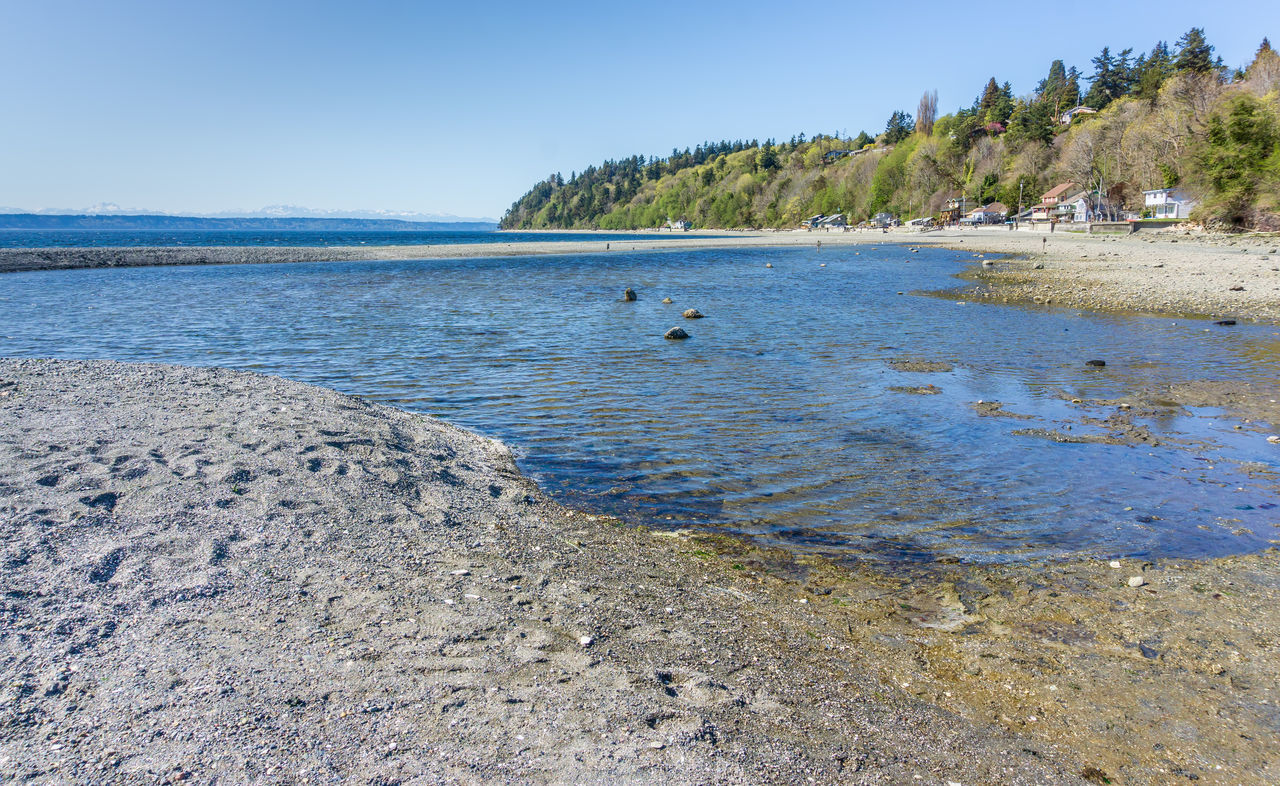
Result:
[
  {"x": 629, "y": 295},
  {"x": 1225, "y": 322},
  {"x": 692, "y": 313},
  {"x": 1098, "y": 363},
  {"x": 1237, "y": 289},
  {"x": 676, "y": 333}
]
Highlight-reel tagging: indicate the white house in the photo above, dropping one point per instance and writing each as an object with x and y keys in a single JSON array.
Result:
[
  {"x": 1073, "y": 113},
  {"x": 832, "y": 222},
  {"x": 1168, "y": 203}
]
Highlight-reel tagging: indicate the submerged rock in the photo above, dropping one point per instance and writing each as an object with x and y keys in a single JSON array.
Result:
[
  {"x": 1095, "y": 363},
  {"x": 629, "y": 294},
  {"x": 675, "y": 333}
]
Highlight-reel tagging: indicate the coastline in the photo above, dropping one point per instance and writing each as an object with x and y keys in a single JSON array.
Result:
[
  {"x": 220, "y": 575},
  {"x": 1165, "y": 272}
]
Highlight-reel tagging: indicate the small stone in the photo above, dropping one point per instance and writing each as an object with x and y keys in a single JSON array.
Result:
[
  {"x": 675, "y": 333},
  {"x": 988, "y": 263},
  {"x": 1236, "y": 289},
  {"x": 1039, "y": 266},
  {"x": 461, "y": 572},
  {"x": 692, "y": 313},
  {"x": 1136, "y": 581},
  {"x": 1096, "y": 363},
  {"x": 657, "y": 746},
  {"x": 1115, "y": 563},
  {"x": 1274, "y": 439},
  {"x": 586, "y": 641},
  {"x": 1225, "y": 322},
  {"x": 768, "y": 264},
  {"x": 667, "y": 301},
  {"x": 629, "y": 295}
]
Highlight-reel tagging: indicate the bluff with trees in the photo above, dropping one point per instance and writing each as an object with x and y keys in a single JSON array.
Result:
[{"x": 1171, "y": 116}]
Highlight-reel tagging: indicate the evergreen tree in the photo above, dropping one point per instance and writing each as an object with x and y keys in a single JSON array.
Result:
[
  {"x": 862, "y": 140},
  {"x": 1151, "y": 71},
  {"x": 1194, "y": 53},
  {"x": 898, "y": 128}
]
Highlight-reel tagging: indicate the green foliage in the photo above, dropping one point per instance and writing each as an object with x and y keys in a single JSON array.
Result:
[
  {"x": 1195, "y": 54},
  {"x": 1163, "y": 119},
  {"x": 899, "y": 127},
  {"x": 1239, "y": 160}
]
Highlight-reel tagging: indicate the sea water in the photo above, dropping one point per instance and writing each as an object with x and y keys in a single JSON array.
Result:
[{"x": 778, "y": 418}]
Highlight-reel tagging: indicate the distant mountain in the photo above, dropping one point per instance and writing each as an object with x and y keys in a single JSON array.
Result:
[
  {"x": 270, "y": 211},
  {"x": 104, "y": 221}
]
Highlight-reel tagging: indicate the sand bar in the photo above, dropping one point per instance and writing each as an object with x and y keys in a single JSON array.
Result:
[{"x": 1174, "y": 272}]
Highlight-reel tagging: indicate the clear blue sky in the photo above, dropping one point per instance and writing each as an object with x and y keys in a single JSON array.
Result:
[{"x": 186, "y": 105}]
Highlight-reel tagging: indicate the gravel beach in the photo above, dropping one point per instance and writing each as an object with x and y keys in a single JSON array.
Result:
[{"x": 223, "y": 577}]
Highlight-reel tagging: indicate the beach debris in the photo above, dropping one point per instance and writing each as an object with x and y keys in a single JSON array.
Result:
[
  {"x": 1225, "y": 322},
  {"x": 586, "y": 641},
  {"x": 675, "y": 333},
  {"x": 1115, "y": 563},
  {"x": 667, "y": 301},
  {"x": 629, "y": 294},
  {"x": 1096, "y": 363},
  {"x": 1236, "y": 288},
  {"x": 1274, "y": 439},
  {"x": 460, "y": 572},
  {"x": 692, "y": 313},
  {"x": 988, "y": 263},
  {"x": 1136, "y": 581}
]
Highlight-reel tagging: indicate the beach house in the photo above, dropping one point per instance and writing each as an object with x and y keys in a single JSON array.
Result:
[
  {"x": 1168, "y": 203},
  {"x": 988, "y": 214},
  {"x": 1058, "y": 203}
]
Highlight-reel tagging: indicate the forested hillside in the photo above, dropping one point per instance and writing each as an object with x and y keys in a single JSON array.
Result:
[{"x": 1172, "y": 116}]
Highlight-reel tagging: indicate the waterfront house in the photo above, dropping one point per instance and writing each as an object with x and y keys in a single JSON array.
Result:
[
  {"x": 678, "y": 225},
  {"x": 833, "y": 222},
  {"x": 1057, "y": 203},
  {"x": 956, "y": 205},
  {"x": 988, "y": 214},
  {"x": 1073, "y": 113},
  {"x": 883, "y": 220},
  {"x": 812, "y": 221},
  {"x": 1168, "y": 203}
]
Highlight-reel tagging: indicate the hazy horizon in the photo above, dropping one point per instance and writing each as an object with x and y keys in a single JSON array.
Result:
[{"x": 196, "y": 109}]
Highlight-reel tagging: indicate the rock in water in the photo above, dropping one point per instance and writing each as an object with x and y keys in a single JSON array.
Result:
[
  {"x": 676, "y": 333},
  {"x": 667, "y": 301},
  {"x": 629, "y": 295},
  {"x": 1225, "y": 322},
  {"x": 692, "y": 313},
  {"x": 1097, "y": 363}
]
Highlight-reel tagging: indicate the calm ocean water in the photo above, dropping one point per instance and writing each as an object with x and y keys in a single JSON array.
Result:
[
  {"x": 777, "y": 418},
  {"x": 77, "y": 238}
]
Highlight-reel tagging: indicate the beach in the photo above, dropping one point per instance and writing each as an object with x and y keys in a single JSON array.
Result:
[
  {"x": 224, "y": 577},
  {"x": 1165, "y": 271}
]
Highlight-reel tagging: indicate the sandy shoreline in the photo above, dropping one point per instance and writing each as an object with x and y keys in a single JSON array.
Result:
[
  {"x": 228, "y": 577},
  {"x": 1160, "y": 272}
]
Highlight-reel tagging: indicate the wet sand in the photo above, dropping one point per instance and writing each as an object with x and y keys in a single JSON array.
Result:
[{"x": 225, "y": 577}]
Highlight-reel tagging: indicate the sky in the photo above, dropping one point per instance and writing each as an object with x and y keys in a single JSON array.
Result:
[{"x": 459, "y": 108}]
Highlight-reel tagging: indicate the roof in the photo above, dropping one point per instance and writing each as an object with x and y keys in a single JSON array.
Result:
[{"x": 1058, "y": 190}]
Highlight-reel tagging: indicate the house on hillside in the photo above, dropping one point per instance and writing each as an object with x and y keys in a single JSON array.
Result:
[
  {"x": 812, "y": 221},
  {"x": 1073, "y": 113},
  {"x": 1168, "y": 203},
  {"x": 1057, "y": 203},
  {"x": 833, "y": 155}
]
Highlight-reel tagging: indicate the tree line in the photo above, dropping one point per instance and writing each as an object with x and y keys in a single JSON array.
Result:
[{"x": 1170, "y": 116}]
